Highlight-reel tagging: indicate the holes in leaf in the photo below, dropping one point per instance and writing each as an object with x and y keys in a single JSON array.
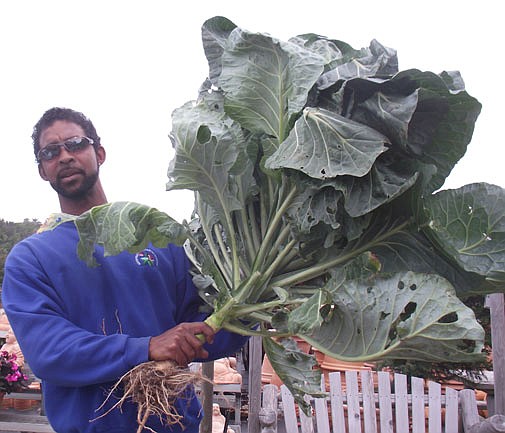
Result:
[
  {"x": 203, "y": 135},
  {"x": 467, "y": 346},
  {"x": 401, "y": 285},
  {"x": 413, "y": 287},
  {"x": 409, "y": 309},
  {"x": 369, "y": 290},
  {"x": 323, "y": 171},
  {"x": 449, "y": 318},
  {"x": 326, "y": 312},
  {"x": 383, "y": 315}
]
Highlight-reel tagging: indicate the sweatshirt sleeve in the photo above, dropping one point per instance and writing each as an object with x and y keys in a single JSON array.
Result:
[{"x": 55, "y": 348}]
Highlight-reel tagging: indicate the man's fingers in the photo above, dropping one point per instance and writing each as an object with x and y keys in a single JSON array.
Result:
[
  {"x": 185, "y": 354},
  {"x": 203, "y": 354},
  {"x": 183, "y": 343},
  {"x": 188, "y": 352},
  {"x": 203, "y": 329}
]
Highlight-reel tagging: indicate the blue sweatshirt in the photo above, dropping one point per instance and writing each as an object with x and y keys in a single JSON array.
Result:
[{"x": 81, "y": 328}]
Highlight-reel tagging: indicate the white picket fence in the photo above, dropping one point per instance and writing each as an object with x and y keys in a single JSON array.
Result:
[{"x": 358, "y": 405}]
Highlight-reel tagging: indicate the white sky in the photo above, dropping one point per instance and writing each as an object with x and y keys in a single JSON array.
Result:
[{"x": 128, "y": 64}]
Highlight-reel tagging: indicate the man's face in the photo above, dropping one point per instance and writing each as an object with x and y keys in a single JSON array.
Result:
[{"x": 72, "y": 175}]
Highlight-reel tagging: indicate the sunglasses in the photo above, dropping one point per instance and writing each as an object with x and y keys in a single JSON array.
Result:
[{"x": 72, "y": 145}]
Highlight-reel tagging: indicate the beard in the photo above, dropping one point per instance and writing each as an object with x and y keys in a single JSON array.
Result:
[{"x": 76, "y": 192}]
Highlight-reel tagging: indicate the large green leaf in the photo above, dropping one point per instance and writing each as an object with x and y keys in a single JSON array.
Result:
[
  {"x": 316, "y": 204},
  {"x": 295, "y": 368},
  {"x": 377, "y": 60},
  {"x": 121, "y": 226},
  {"x": 389, "y": 178},
  {"x": 408, "y": 315},
  {"x": 266, "y": 81},
  {"x": 389, "y": 113},
  {"x": 324, "y": 145},
  {"x": 468, "y": 223},
  {"x": 443, "y": 123},
  {"x": 215, "y": 32},
  {"x": 333, "y": 51},
  {"x": 410, "y": 250},
  {"x": 308, "y": 316},
  {"x": 428, "y": 116},
  {"x": 207, "y": 145}
]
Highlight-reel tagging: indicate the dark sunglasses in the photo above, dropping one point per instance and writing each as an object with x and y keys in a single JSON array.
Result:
[{"x": 72, "y": 145}]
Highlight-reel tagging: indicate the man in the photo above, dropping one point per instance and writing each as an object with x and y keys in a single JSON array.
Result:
[{"x": 81, "y": 328}]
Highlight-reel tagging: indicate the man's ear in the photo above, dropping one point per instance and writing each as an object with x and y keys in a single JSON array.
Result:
[
  {"x": 100, "y": 155},
  {"x": 42, "y": 172}
]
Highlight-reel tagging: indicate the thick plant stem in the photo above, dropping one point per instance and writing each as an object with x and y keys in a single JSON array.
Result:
[
  {"x": 278, "y": 245},
  {"x": 222, "y": 247},
  {"x": 272, "y": 230},
  {"x": 246, "y": 230},
  {"x": 272, "y": 268},
  {"x": 213, "y": 247},
  {"x": 321, "y": 268},
  {"x": 220, "y": 279},
  {"x": 226, "y": 311},
  {"x": 255, "y": 230}
]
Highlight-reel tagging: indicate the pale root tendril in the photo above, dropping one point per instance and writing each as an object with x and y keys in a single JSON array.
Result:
[{"x": 154, "y": 387}]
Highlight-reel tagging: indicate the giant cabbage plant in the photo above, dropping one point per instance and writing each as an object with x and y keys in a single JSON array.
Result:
[{"x": 315, "y": 169}]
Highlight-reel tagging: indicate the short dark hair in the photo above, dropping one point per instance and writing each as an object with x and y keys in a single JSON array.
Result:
[{"x": 69, "y": 115}]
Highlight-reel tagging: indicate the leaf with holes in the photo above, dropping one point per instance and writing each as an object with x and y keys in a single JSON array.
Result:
[
  {"x": 409, "y": 316},
  {"x": 469, "y": 223},
  {"x": 266, "y": 81},
  {"x": 324, "y": 145}
]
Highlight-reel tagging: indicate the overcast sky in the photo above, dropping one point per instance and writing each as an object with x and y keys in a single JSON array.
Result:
[{"x": 128, "y": 64}]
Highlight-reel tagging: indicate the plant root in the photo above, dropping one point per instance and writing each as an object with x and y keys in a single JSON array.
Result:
[{"x": 154, "y": 387}]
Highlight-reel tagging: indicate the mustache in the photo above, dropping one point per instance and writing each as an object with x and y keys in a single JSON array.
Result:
[{"x": 69, "y": 171}]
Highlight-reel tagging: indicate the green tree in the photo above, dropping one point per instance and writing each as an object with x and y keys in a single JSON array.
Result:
[{"x": 10, "y": 234}]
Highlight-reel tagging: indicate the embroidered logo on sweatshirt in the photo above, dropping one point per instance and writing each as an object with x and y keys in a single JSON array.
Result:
[{"x": 146, "y": 258}]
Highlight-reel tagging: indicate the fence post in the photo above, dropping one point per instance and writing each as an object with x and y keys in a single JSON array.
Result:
[
  {"x": 207, "y": 397},
  {"x": 497, "y": 314},
  {"x": 255, "y": 355}
]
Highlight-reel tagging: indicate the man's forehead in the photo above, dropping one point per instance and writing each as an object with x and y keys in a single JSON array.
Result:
[{"x": 60, "y": 130}]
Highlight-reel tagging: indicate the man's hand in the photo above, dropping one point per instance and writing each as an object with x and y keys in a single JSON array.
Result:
[{"x": 181, "y": 344}]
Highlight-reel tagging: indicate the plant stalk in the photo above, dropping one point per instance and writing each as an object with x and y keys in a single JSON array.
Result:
[
  {"x": 222, "y": 247},
  {"x": 272, "y": 229},
  {"x": 212, "y": 245},
  {"x": 246, "y": 229},
  {"x": 254, "y": 226},
  {"x": 319, "y": 269},
  {"x": 273, "y": 267},
  {"x": 278, "y": 244}
]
